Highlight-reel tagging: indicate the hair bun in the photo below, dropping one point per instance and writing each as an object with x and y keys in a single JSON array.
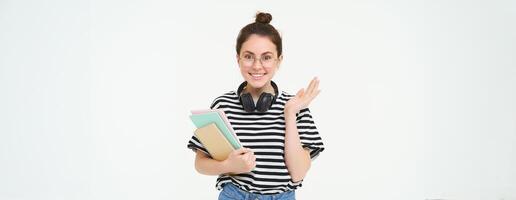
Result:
[{"x": 263, "y": 18}]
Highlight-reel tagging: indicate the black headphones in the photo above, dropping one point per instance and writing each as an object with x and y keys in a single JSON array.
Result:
[{"x": 265, "y": 100}]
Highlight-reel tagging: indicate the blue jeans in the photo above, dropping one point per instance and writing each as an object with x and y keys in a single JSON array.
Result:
[{"x": 232, "y": 192}]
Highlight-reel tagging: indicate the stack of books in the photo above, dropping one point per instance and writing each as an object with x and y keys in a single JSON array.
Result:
[{"x": 215, "y": 132}]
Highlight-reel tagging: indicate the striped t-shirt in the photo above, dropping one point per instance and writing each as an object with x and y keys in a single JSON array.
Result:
[{"x": 264, "y": 133}]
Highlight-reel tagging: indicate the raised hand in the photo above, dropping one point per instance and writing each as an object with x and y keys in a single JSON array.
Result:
[{"x": 303, "y": 97}]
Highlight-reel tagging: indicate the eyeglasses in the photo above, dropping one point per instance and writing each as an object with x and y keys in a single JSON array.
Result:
[{"x": 266, "y": 60}]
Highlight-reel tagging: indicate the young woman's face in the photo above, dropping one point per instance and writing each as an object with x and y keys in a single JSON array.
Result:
[{"x": 258, "y": 60}]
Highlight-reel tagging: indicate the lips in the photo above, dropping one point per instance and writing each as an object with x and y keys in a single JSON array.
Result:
[{"x": 257, "y": 76}]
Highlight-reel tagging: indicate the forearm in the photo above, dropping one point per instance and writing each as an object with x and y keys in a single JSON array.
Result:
[
  {"x": 297, "y": 158},
  {"x": 207, "y": 166}
]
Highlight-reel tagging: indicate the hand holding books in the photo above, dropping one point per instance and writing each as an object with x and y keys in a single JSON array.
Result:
[
  {"x": 215, "y": 132},
  {"x": 218, "y": 137},
  {"x": 240, "y": 161}
]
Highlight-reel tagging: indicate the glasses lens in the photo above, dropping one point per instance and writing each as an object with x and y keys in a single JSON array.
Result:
[
  {"x": 266, "y": 61},
  {"x": 249, "y": 61}
]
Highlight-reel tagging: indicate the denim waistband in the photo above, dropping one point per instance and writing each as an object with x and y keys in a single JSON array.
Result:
[{"x": 231, "y": 191}]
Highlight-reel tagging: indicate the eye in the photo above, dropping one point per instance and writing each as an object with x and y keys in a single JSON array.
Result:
[
  {"x": 267, "y": 58},
  {"x": 248, "y": 57}
]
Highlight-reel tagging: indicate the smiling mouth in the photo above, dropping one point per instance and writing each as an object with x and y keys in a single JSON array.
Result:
[{"x": 257, "y": 75}]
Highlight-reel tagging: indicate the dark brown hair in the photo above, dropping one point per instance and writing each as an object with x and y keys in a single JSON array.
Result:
[{"x": 260, "y": 27}]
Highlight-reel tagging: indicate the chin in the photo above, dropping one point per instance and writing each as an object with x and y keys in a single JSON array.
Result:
[{"x": 257, "y": 83}]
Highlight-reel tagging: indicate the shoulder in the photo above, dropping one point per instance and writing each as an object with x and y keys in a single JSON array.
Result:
[
  {"x": 284, "y": 96},
  {"x": 230, "y": 97}
]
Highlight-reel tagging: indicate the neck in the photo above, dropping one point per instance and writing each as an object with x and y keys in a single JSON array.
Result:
[{"x": 255, "y": 92}]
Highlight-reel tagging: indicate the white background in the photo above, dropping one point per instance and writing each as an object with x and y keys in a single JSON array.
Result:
[{"x": 418, "y": 98}]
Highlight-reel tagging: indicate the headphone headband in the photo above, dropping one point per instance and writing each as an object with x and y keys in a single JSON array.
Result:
[
  {"x": 244, "y": 84},
  {"x": 264, "y": 102}
]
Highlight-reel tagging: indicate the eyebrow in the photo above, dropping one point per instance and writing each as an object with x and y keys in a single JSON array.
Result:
[{"x": 262, "y": 53}]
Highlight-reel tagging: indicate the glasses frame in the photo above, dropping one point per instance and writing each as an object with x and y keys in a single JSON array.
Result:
[{"x": 250, "y": 64}]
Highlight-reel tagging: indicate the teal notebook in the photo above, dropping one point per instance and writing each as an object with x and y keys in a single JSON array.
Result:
[{"x": 203, "y": 119}]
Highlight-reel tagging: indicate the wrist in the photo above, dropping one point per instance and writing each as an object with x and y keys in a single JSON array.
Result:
[
  {"x": 289, "y": 112},
  {"x": 226, "y": 167}
]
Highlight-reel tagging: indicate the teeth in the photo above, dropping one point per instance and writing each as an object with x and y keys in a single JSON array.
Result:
[{"x": 257, "y": 75}]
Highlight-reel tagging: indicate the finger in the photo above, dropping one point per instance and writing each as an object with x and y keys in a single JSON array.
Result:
[
  {"x": 252, "y": 159},
  {"x": 314, "y": 95},
  {"x": 238, "y": 151},
  {"x": 247, "y": 157},
  {"x": 247, "y": 150},
  {"x": 300, "y": 92},
  {"x": 310, "y": 86},
  {"x": 310, "y": 98},
  {"x": 241, "y": 150},
  {"x": 315, "y": 88}
]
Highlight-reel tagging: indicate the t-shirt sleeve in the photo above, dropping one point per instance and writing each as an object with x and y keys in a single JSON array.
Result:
[
  {"x": 194, "y": 143},
  {"x": 308, "y": 133}
]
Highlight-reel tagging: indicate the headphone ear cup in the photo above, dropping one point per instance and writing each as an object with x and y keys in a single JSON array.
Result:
[
  {"x": 264, "y": 102},
  {"x": 247, "y": 102}
]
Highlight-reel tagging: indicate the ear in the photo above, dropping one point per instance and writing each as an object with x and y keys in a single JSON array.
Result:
[
  {"x": 280, "y": 58},
  {"x": 237, "y": 58}
]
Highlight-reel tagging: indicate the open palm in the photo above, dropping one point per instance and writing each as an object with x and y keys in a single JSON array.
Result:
[{"x": 303, "y": 97}]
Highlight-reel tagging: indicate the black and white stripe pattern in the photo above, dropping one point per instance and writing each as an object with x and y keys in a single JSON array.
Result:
[{"x": 264, "y": 133}]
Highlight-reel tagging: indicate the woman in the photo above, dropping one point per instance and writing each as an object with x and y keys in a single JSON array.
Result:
[{"x": 278, "y": 134}]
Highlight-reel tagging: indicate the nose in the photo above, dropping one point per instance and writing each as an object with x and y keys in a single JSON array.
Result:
[{"x": 257, "y": 64}]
